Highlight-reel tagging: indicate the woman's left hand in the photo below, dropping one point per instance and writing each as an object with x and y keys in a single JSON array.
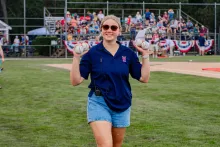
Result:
[{"x": 143, "y": 51}]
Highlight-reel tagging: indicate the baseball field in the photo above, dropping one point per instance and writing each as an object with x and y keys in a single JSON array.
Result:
[{"x": 40, "y": 108}]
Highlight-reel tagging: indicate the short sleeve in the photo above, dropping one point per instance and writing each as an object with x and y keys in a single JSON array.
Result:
[
  {"x": 85, "y": 66},
  {"x": 135, "y": 67}
]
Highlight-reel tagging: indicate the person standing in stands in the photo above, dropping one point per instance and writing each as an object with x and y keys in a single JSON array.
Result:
[
  {"x": 109, "y": 64},
  {"x": 147, "y": 17},
  {"x": 201, "y": 44}
]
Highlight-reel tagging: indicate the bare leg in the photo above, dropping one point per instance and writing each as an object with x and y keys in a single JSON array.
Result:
[
  {"x": 118, "y": 136},
  {"x": 102, "y": 131},
  {"x": 171, "y": 51}
]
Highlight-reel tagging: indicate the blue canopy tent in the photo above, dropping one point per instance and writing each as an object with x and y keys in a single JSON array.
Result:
[{"x": 39, "y": 31}]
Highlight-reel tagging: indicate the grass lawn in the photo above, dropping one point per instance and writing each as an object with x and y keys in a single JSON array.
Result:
[{"x": 39, "y": 108}]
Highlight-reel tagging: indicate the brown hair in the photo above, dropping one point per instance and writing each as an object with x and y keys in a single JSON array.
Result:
[{"x": 113, "y": 17}]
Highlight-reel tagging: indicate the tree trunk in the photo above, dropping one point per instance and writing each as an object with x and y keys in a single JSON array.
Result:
[{"x": 4, "y": 10}]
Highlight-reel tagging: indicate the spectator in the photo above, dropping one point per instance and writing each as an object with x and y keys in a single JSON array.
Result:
[
  {"x": 68, "y": 17},
  {"x": 155, "y": 44},
  {"x": 69, "y": 36},
  {"x": 148, "y": 33},
  {"x": 138, "y": 17},
  {"x": 58, "y": 27},
  {"x": 147, "y": 17},
  {"x": 170, "y": 14},
  {"x": 169, "y": 31},
  {"x": 90, "y": 16},
  {"x": 165, "y": 16},
  {"x": 203, "y": 30},
  {"x": 100, "y": 16},
  {"x": 133, "y": 31},
  {"x": 3, "y": 40},
  {"x": 27, "y": 40},
  {"x": 189, "y": 26},
  {"x": 201, "y": 44},
  {"x": 73, "y": 23},
  {"x": 196, "y": 31},
  {"x": 174, "y": 27},
  {"x": 139, "y": 26},
  {"x": 171, "y": 44},
  {"x": 128, "y": 24},
  {"x": 16, "y": 41},
  {"x": 95, "y": 17},
  {"x": 152, "y": 17}
]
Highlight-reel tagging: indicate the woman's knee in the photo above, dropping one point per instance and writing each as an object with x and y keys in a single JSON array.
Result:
[{"x": 104, "y": 144}]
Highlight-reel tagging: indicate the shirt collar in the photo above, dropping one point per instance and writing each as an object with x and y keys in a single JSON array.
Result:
[{"x": 100, "y": 46}]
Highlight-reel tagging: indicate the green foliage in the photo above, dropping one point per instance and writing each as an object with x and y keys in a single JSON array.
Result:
[{"x": 43, "y": 40}]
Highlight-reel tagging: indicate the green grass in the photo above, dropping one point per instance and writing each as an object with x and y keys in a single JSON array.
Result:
[{"x": 39, "y": 108}]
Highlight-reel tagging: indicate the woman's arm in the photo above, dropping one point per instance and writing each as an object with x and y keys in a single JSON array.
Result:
[
  {"x": 145, "y": 69},
  {"x": 2, "y": 53},
  {"x": 75, "y": 76}
]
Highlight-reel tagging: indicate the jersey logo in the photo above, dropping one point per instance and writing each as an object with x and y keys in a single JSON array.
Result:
[{"x": 124, "y": 58}]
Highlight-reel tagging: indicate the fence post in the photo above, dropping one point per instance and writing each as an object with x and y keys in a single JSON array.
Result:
[
  {"x": 44, "y": 16},
  {"x": 215, "y": 42},
  {"x": 218, "y": 43},
  {"x": 25, "y": 28},
  {"x": 107, "y": 7},
  {"x": 65, "y": 11},
  {"x": 180, "y": 9},
  {"x": 143, "y": 11}
]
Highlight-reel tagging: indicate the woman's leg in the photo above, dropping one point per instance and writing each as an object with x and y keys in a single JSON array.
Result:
[
  {"x": 102, "y": 131},
  {"x": 118, "y": 136}
]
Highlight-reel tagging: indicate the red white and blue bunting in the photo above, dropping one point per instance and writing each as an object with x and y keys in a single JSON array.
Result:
[
  {"x": 70, "y": 44},
  {"x": 208, "y": 44},
  {"x": 182, "y": 46},
  {"x": 163, "y": 45}
]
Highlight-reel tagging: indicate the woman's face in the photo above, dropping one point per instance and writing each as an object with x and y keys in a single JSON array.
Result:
[{"x": 110, "y": 30}]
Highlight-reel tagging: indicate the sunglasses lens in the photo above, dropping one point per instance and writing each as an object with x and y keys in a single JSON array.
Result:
[
  {"x": 105, "y": 27},
  {"x": 114, "y": 28}
]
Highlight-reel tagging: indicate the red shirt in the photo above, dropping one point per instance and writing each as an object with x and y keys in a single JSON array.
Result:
[
  {"x": 62, "y": 22},
  {"x": 129, "y": 21}
]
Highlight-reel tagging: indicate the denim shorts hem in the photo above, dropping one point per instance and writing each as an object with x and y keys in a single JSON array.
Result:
[
  {"x": 121, "y": 126},
  {"x": 92, "y": 120}
]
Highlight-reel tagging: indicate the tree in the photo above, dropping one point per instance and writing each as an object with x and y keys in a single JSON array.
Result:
[{"x": 4, "y": 10}]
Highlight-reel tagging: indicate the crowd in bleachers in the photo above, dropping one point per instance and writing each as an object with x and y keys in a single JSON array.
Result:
[
  {"x": 80, "y": 25},
  {"x": 166, "y": 25}
]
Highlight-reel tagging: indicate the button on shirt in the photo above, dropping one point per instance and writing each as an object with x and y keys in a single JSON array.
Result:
[{"x": 110, "y": 74}]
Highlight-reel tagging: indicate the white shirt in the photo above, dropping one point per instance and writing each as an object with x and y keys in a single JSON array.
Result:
[
  {"x": 100, "y": 16},
  {"x": 170, "y": 42},
  {"x": 16, "y": 41}
]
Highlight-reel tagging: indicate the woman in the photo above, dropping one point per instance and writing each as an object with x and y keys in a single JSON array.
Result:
[
  {"x": 109, "y": 101},
  {"x": 138, "y": 16},
  {"x": 1, "y": 60}
]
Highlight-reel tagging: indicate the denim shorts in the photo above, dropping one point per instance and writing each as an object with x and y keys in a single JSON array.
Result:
[{"x": 97, "y": 110}]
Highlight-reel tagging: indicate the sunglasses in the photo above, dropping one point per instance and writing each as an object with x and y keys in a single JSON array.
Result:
[{"x": 113, "y": 27}]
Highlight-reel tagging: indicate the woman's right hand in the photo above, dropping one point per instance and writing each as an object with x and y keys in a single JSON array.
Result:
[{"x": 79, "y": 55}]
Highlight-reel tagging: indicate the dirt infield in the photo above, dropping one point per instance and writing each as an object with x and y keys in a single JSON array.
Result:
[{"x": 191, "y": 68}]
